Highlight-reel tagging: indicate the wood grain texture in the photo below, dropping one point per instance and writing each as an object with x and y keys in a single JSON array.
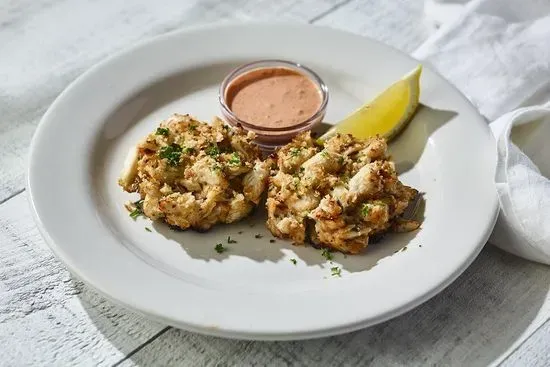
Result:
[
  {"x": 46, "y": 317},
  {"x": 399, "y": 23},
  {"x": 497, "y": 302},
  {"x": 534, "y": 352},
  {"x": 498, "y": 310}
]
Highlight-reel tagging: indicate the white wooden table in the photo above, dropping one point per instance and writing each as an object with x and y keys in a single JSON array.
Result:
[{"x": 497, "y": 312}]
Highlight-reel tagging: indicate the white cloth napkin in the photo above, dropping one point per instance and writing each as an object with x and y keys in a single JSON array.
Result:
[
  {"x": 498, "y": 53},
  {"x": 523, "y": 227}
]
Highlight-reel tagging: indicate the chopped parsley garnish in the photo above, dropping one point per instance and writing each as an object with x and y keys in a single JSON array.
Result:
[
  {"x": 293, "y": 261},
  {"x": 212, "y": 150},
  {"x": 324, "y": 153},
  {"x": 258, "y": 236},
  {"x": 171, "y": 153},
  {"x": 148, "y": 229},
  {"x": 187, "y": 150},
  {"x": 235, "y": 159},
  {"x": 341, "y": 159},
  {"x": 294, "y": 152},
  {"x": 135, "y": 213},
  {"x": 216, "y": 167},
  {"x": 365, "y": 210},
  {"x": 219, "y": 248},
  {"x": 327, "y": 254},
  {"x": 162, "y": 131},
  {"x": 230, "y": 240},
  {"x": 192, "y": 127},
  {"x": 320, "y": 142},
  {"x": 336, "y": 271},
  {"x": 138, "y": 210}
]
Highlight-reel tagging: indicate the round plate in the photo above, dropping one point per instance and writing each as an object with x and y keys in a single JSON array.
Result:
[{"x": 254, "y": 291}]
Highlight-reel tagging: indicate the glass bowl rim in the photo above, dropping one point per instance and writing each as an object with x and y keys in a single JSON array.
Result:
[{"x": 267, "y": 63}]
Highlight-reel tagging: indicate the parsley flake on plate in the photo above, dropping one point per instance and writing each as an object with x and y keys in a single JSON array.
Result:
[
  {"x": 327, "y": 254},
  {"x": 220, "y": 248},
  {"x": 138, "y": 209},
  {"x": 336, "y": 271}
]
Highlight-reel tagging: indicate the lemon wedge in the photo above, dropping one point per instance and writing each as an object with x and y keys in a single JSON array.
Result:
[{"x": 387, "y": 114}]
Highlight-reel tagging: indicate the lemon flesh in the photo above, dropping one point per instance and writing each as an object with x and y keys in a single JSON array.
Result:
[{"x": 387, "y": 114}]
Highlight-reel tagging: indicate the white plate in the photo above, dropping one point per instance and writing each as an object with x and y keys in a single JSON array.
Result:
[{"x": 253, "y": 291}]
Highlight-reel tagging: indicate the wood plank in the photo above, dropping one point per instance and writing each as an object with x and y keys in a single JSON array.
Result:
[
  {"x": 534, "y": 352},
  {"x": 47, "y": 317},
  {"x": 494, "y": 305},
  {"x": 399, "y": 23},
  {"x": 48, "y": 49}
]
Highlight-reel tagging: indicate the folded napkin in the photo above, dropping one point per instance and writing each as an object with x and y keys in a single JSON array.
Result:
[
  {"x": 497, "y": 52},
  {"x": 523, "y": 169}
]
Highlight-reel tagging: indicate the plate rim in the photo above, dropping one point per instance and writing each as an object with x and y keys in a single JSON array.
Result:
[{"x": 360, "y": 324}]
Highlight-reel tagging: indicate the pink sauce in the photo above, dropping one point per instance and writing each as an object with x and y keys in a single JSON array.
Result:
[{"x": 273, "y": 97}]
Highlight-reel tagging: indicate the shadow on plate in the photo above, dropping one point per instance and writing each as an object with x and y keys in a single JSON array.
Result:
[
  {"x": 473, "y": 322},
  {"x": 255, "y": 242},
  {"x": 407, "y": 147},
  {"x": 165, "y": 91},
  {"x": 250, "y": 238}
]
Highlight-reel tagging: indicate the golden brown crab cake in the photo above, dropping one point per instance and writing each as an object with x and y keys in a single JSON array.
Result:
[
  {"x": 191, "y": 174},
  {"x": 338, "y": 194}
]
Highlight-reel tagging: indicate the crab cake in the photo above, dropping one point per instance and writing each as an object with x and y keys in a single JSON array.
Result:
[
  {"x": 336, "y": 195},
  {"x": 191, "y": 174}
]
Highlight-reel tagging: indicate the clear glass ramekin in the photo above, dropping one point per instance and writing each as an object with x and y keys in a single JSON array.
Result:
[{"x": 270, "y": 138}]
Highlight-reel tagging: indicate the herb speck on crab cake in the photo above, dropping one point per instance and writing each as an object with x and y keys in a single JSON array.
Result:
[
  {"x": 337, "y": 194},
  {"x": 191, "y": 174}
]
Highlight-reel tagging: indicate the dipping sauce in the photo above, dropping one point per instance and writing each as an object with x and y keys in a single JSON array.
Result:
[{"x": 275, "y": 97}]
